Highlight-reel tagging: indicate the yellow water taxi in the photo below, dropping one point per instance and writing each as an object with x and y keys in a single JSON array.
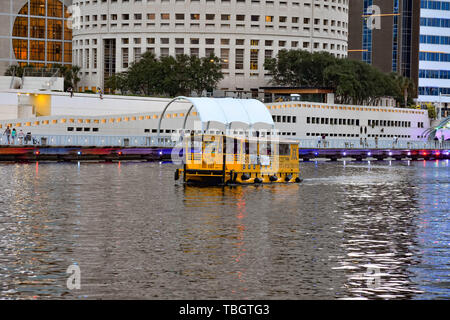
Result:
[{"x": 227, "y": 159}]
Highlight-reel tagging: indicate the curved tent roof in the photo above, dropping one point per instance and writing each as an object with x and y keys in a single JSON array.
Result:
[{"x": 228, "y": 110}]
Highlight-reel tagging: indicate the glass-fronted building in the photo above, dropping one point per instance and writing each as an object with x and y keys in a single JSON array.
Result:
[
  {"x": 434, "y": 56},
  {"x": 385, "y": 34},
  {"x": 35, "y": 32}
]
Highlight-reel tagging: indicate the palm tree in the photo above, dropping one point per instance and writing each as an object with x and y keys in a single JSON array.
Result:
[
  {"x": 405, "y": 88},
  {"x": 74, "y": 71}
]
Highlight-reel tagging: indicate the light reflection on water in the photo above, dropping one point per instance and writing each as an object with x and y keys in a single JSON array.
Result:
[{"x": 135, "y": 233}]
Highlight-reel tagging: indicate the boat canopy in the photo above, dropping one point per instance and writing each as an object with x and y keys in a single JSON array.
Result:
[{"x": 225, "y": 111}]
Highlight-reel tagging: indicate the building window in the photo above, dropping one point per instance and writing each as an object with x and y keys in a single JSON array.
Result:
[
  {"x": 239, "y": 59},
  {"x": 224, "y": 57},
  {"x": 195, "y": 52},
  {"x": 254, "y": 59},
  {"x": 137, "y": 54}
]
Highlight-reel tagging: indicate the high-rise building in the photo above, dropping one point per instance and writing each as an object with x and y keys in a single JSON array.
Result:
[
  {"x": 34, "y": 32},
  {"x": 434, "y": 74},
  {"x": 242, "y": 33},
  {"x": 385, "y": 34}
]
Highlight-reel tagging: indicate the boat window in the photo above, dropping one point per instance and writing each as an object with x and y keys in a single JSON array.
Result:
[
  {"x": 235, "y": 146},
  {"x": 265, "y": 148},
  {"x": 284, "y": 149}
]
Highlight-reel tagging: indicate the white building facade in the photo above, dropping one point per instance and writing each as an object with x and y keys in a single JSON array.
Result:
[
  {"x": 434, "y": 66},
  {"x": 242, "y": 33}
]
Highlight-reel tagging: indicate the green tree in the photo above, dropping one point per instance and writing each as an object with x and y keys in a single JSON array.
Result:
[
  {"x": 144, "y": 75},
  {"x": 117, "y": 82},
  {"x": 432, "y": 114},
  {"x": 299, "y": 68},
  {"x": 15, "y": 70},
  {"x": 405, "y": 90},
  {"x": 70, "y": 75},
  {"x": 353, "y": 81},
  {"x": 172, "y": 76},
  {"x": 205, "y": 73}
]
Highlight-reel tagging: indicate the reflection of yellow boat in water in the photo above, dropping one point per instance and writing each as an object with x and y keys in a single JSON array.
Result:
[{"x": 227, "y": 159}]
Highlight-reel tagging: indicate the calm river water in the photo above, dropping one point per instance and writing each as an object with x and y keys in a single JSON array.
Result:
[{"x": 350, "y": 230}]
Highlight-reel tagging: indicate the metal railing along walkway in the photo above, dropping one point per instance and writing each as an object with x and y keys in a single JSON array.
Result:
[
  {"x": 371, "y": 144},
  {"x": 89, "y": 140},
  {"x": 169, "y": 141}
]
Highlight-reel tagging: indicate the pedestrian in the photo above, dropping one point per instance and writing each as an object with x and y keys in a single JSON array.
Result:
[
  {"x": 13, "y": 135},
  {"x": 323, "y": 140},
  {"x": 21, "y": 137},
  {"x": 376, "y": 142},
  {"x": 436, "y": 141},
  {"x": 100, "y": 92},
  {"x": 7, "y": 133},
  {"x": 70, "y": 90},
  {"x": 365, "y": 142},
  {"x": 28, "y": 137}
]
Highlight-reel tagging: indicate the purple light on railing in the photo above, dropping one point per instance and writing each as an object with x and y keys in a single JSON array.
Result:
[
  {"x": 390, "y": 153},
  {"x": 344, "y": 153},
  {"x": 368, "y": 153}
]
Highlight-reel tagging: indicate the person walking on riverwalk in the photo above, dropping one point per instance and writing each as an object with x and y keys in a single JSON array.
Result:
[
  {"x": 436, "y": 142},
  {"x": 100, "y": 93},
  {"x": 28, "y": 137},
  {"x": 20, "y": 137},
  {"x": 376, "y": 142},
  {"x": 7, "y": 133},
  {"x": 70, "y": 90},
  {"x": 324, "y": 142},
  {"x": 13, "y": 135}
]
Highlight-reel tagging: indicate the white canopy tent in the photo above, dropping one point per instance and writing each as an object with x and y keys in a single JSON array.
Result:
[{"x": 225, "y": 111}]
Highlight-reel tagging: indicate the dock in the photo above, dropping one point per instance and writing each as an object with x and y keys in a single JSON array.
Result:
[{"x": 159, "y": 148}]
